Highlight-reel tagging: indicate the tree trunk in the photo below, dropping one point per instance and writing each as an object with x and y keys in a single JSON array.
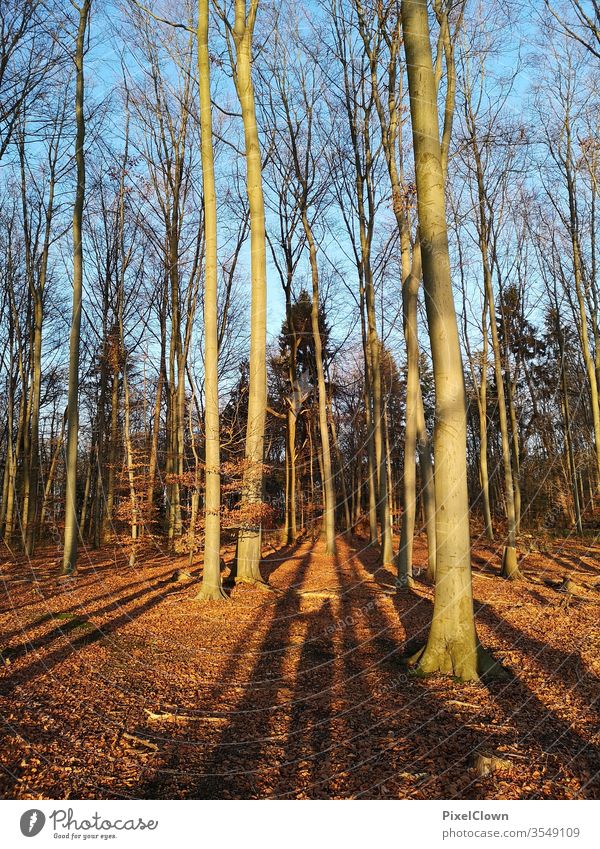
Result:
[
  {"x": 107, "y": 521},
  {"x": 71, "y": 532},
  {"x": 452, "y": 642},
  {"x": 583, "y": 319},
  {"x": 211, "y": 574},
  {"x": 328, "y": 529},
  {"x": 515, "y": 452},
  {"x": 409, "y": 302},
  {"x": 290, "y": 493},
  {"x": 370, "y": 432},
  {"x": 427, "y": 484},
  {"x": 510, "y": 567},
  {"x": 249, "y": 537},
  {"x": 483, "y": 442},
  {"x": 52, "y": 471},
  {"x": 340, "y": 465}
]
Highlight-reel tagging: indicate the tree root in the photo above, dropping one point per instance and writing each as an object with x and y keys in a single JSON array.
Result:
[
  {"x": 488, "y": 668},
  {"x": 211, "y": 594},
  {"x": 404, "y": 583},
  {"x": 259, "y": 583},
  {"x": 510, "y": 566}
]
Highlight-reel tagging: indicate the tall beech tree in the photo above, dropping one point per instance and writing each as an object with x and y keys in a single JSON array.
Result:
[
  {"x": 510, "y": 567},
  {"x": 452, "y": 643},
  {"x": 239, "y": 39},
  {"x": 71, "y": 536},
  {"x": 211, "y": 576},
  {"x": 300, "y": 91}
]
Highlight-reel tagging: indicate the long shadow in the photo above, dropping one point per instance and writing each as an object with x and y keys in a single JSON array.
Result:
[
  {"x": 531, "y": 717},
  {"x": 431, "y": 747},
  {"x": 78, "y": 608},
  {"x": 370, "y": 557},
  {"x": 574, "y": 563},
  {"x": 307, "y": 748},
  {"x": 271, "y": 563},
  {"x": 84, "y": 607},
  {"x": 530, "y": 714},
  {"x": 486, "y": 565},
  {"x": 341, "y": 735},
  {"x": 416, "y": 617},
  {"x": 46, "y": 663},
  {"x": 363, "y": 655},
  {"x": 391, "y": 721},
  {"x": 553, "y": 660},
  {"x": 61, "y": 653},
  {"x": 249, "y": 745},
  {"x": 87, "y": 576},
  {"x": 339, "y": 726}
]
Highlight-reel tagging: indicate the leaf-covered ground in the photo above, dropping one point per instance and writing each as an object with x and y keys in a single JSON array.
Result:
[{"x": 118, "y": 684}]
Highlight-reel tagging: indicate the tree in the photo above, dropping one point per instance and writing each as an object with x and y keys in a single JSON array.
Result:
[
  {"x": 298, "y": 136},
  {"x": 211, "y": 575},
  {"x": 452, "y": 642},
  {"x": 510, "y": 567},
  {"x": 71, "y": 525},
  {"x": 240, "y": 34},
  {"x": 584, "y": 27},
  {"x": 358, "y": 166}
]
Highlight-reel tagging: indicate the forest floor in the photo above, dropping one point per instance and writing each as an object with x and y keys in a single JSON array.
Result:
[{"x": 117, "y": 684}]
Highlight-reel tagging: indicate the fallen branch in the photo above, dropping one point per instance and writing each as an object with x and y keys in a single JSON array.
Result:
[{"x": 140, "y": 741}]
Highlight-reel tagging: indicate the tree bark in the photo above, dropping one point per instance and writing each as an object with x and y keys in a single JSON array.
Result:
[
  {"x": 249, "y": 538},
  {"x": 211, "y": 574},
  {"x": 452, "y": 642},
  {"x": 71, "y": 532}
]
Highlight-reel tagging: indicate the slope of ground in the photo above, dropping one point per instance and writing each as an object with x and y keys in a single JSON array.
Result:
[{"x": 118, "y": 684}]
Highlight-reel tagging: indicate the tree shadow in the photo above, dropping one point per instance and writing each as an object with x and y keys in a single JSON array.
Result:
[
  {"x": 306, "y": 750},
  {"x": 272, "y": 562},
  {"x": 534, "y": 722},
  {"x": 82, "y": 607},
  {"x": 568, "y": 668},
  {"x": 45, "y": 664},
  {"x": 574, "y": 563},
  {"x": 237, "y": 762}
]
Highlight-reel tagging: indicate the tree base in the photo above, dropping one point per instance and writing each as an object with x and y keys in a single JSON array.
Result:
[
  {"x": 387, "y": 553},
  {"x": 212, "y": 594},
  {"x": 259, "y": 583},
  {"x": 510, "y": 565},
  {"x": 423, "y": 662},
  {"x": 246, "y": 566},
  {"x": 404, "y": 583}
]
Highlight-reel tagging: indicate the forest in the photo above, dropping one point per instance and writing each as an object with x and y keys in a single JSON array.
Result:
[{"x": 299, "y": 399}]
